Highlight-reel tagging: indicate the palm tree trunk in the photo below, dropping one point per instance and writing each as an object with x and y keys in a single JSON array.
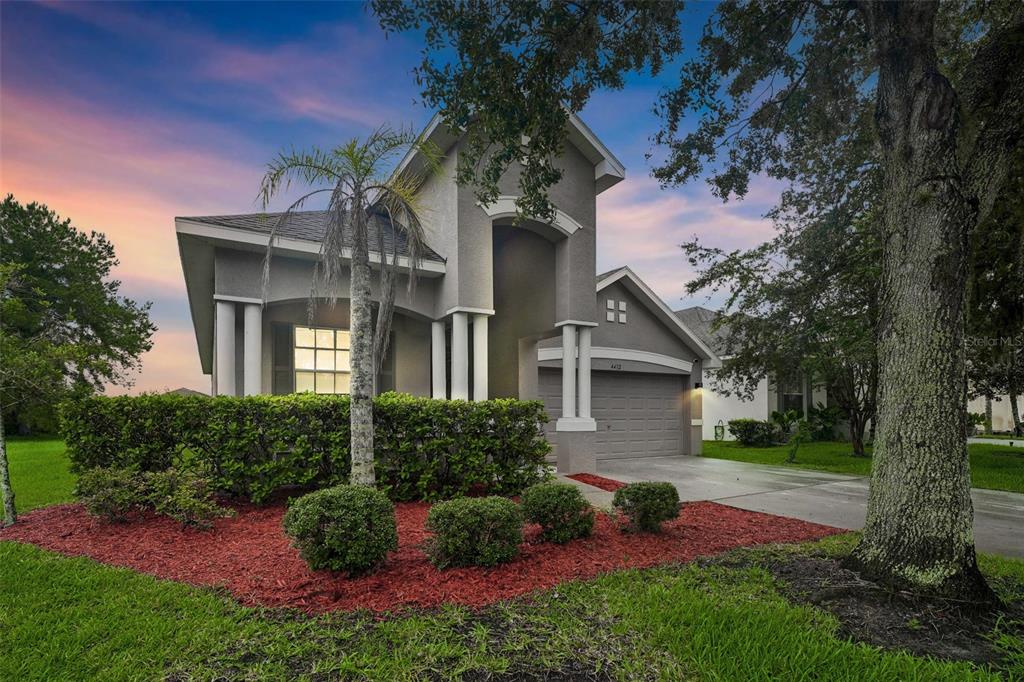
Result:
[
  {"x": 10, "y": 515},
  {"x": 1018, "y": 429},
  {"x": 362, "y": 359}
]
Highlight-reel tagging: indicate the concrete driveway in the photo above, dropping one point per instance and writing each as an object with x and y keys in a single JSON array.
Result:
[{"x": 832, "y": 499}]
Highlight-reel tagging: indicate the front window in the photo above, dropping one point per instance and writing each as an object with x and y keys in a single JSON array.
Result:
[{"x": 322, "y": 360}]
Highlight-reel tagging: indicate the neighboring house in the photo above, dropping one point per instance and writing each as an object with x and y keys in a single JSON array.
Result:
[
  {"x": 1002, "y": 416},
  {"x": 767, "y": 398},
  {"x": 187, "y": 392},
  {"x": 500, "y": 310}
]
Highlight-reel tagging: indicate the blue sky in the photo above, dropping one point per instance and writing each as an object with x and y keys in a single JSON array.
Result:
[{"x": 121, "y": 116}]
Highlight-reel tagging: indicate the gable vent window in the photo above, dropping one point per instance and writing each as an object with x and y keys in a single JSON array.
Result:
[
  {"x": 610, "y": 315},
  {"x": 322, "y": 360}
]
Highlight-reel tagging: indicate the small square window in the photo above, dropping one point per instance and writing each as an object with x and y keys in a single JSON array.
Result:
[
  {"x": 325, "y": 359},
  {"x": 325, "y": 338},
  {"x": 611, "y": 304},
  {"x": 610, "y": 316},
  {"x": 622, "y": 318},
  {"x": 304, "y": 337},
  {"x": 305, "y": 358},
  {"x": 622, "y": 306},
  {"x": 304, "y": 381}
]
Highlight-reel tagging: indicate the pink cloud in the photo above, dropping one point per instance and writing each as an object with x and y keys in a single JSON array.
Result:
[
  {"x": 325, "y": 77},
  {"x": 642, "y": 226},
  {"x": 120, "y": 175},
  {"x": 172, "y": 363}
]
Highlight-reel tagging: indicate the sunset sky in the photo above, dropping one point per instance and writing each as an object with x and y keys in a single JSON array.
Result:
[{"x": 122, "y": 116}]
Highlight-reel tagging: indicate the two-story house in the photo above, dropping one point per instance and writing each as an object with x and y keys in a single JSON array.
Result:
[{"x": 499, "y": 310}]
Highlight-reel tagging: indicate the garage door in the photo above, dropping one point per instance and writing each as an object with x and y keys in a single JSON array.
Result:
[{"x": 638, "y": 415}]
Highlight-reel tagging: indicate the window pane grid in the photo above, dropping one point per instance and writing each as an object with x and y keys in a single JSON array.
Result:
[{"x": 322, "y": 360}]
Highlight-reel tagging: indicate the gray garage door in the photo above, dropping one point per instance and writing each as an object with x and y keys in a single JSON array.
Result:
[{"x": 638, "y": 415}]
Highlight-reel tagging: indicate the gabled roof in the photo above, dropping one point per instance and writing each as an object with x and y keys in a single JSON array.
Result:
[
  {"x": 657, "y": 307},
  {"x": 311, "y": 226},
  {"x": 608, "y": 170},
  {"x": 702, "y": 320}
]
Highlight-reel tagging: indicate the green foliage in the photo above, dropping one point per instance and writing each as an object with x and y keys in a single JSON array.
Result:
[
  {"x": 424, "y": 449},
  {"x": 753, "y": 432},
  {"x": 474, "y": 531},
  {"x": 183, "y": 496},
  {"x": 822, "y": 421},
  {"x": 647, "y": 504},
  {"x": 66, "y": 331},
  {"x": 521, "y": 68},
  {"x": 345, "y": 528},
  {"x": 115, "y": 494},
  {"x": 800, "y": 435},
  {"x": 974, "y": 420},
  {"x": 560, "y": 509},
  {"x": 110, "y": 493}
]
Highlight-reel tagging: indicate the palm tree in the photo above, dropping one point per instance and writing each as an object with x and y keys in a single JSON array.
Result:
[{"x": 363, "y": 199}]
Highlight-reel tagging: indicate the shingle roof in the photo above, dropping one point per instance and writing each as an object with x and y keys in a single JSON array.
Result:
[
  {"x": 701, "y": 320},
  {"x": 311, "y": 226}
]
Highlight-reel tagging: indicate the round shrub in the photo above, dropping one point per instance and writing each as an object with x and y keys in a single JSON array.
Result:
[
  {"x": 560, "y": 509},
  {"x": 647, "y": 505},
  {"x": 111, "y": 493},
  {"x": 346, "y": 528},
  {"x": 474, "y": 531}
]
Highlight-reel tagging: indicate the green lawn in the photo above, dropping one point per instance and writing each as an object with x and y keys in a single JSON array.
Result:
[
  {"x": 64, "y": 619},
  {"x": 40, "y": 473},
  {"x": 997, "y": 467},
  {"x": 75, "y": 619}
]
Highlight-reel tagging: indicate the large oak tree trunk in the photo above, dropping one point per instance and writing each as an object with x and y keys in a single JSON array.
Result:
[
  {"x": 362, "y": 360},
  {"x": 919, "y": 530}
]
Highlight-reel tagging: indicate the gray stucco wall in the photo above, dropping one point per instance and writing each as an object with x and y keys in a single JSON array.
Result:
[
  {"x": 524, "y": 302},
  {"x": 642, "y": 330},
  {"x": 239, "y": 273}
]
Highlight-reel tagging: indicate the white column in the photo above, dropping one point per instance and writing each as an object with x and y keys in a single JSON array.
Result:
[
  {"x": 460, "y": 356},
  {"x": 225, "y": 342},
  {"x": 438, "y": 371},
  {"x": 480, "y": 357},
  {"x": 568, "y": 371},
  {"x": 584, "y": 397},
  {"x": 252, "y": 349}
]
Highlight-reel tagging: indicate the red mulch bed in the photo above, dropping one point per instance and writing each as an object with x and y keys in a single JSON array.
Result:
[
  {"x": 251, "y": 557},
  {"x": 609, "y": 484}
]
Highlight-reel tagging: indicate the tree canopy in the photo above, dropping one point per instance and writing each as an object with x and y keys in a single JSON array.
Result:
[
  {"x": 919, "y": 100},
  {"x": 65, "y": 328}
]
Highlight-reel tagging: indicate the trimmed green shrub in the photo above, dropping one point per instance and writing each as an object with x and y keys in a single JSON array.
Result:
[
  {"x": 345, "y": 528},
  {"x": 183, "y": 496},
  {"x": 112, "y": 494},
  {"x": 753, "y": 432},
  {"x": 474, "y": 531},
  {"x": 424, "y": 448},
  {"x": 115, "y": 494},
  {"x": 560, "y": 509},
  {"x": 648, "y": 504}
]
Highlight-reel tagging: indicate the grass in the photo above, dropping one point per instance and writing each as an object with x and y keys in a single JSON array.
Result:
[
  {"x": 997, "y": 467},
  {"x": 72, "y": 618},
  {"x": 40, "y": 472},
  {"x": 64, "y": 618}
]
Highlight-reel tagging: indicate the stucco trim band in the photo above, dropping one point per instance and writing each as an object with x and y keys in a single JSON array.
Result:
[{"x": 606, "y": 353}]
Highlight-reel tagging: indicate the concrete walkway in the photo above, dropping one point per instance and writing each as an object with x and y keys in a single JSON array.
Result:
[
  {"x": 1016, "y": 442},
  {"x": 832, "y": 499}
]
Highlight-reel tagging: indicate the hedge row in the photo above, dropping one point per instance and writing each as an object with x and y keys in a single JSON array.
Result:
[{"x": 425, "y": 449}]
